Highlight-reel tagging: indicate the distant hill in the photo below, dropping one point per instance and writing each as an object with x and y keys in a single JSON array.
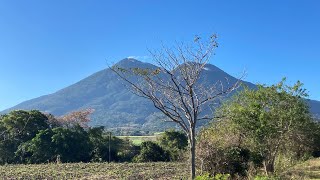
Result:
[
  {"x": 314, "y": 108},
  {"x": 114, "y": 105}
]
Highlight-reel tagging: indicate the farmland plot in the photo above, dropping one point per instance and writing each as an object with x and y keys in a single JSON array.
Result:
[{"x": 96, "y": 171}]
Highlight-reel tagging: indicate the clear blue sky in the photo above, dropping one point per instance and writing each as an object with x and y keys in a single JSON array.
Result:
[{"x": 48, "y": 45}]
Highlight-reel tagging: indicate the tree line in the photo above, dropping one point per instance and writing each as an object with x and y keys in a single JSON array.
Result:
[{"x": 36, "y": 137}]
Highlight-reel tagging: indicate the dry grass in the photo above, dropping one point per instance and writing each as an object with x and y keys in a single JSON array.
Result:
[
  {"x": 307, "y": 170},
  {"x": 96, "y": 171}
]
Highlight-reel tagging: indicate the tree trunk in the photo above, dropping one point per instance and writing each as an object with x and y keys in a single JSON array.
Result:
[
  {"x": 269, "y": 166},
  {"x": 192, "y": 153}
]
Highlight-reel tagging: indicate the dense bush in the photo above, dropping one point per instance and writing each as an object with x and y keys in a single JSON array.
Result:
[
  {"x": 315, "y": 136},
  {"x": 269, "y": 126},
  {"x": 175, "y": 143},
  {"x": 151, "y": 152},
  {"x": 16, "y": 128},
  {"x": 220, "y": 151},
  {"x": 101, "y": 142},
  {"x": 34, "y": 137},
  {"x": 58, "y": 144},
  {"x": 128, "y": 151},
  {"x": 207, "y": 176}
]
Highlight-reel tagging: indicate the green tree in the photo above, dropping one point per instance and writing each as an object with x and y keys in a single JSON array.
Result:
[
  {"x": 271, "y": 120},
  {"x": 128, "y": 150},
  {"x": 174, "y": 142},
  {"x": 151, "y": 152},
  {"x": 100, "y": 145},
  {"x": 315, "y": 136},
  {"x": 7, "y": 149},
  {"x": 39, "y": 150},
  {"x": 7, "y": 145},
  {"x": 24, "y": 125},
  {"x": 58, "y": 144},
  {"x": 71, "y": 145},
  {"x": 16, "y": 128}
]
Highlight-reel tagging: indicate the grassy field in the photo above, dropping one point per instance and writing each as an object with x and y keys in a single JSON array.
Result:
[
  {"x": 137, "y": 140},
  {"x": 96, "y": 171},
  {"x": 307, "y": 170}
]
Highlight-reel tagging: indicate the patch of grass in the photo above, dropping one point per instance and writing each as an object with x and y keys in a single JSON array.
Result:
[
  {"x": 137, "y": 140},
  {"x": 158, "y": 133},
  {"x": 307, "y": 170},
  {"x": 96, "y": 171}
]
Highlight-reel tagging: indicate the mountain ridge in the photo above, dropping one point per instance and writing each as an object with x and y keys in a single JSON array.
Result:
[{"x": 114, "y": 105}]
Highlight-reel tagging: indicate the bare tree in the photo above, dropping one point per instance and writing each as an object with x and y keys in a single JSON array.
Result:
[{"x": 174, "y": 87}]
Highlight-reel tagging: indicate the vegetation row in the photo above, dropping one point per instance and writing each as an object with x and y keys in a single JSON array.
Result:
[{"x": 257, "y": 134}]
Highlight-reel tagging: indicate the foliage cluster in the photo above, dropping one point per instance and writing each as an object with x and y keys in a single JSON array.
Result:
[
  {"x": 267, "y": 129},
  {"x": 33, "y": 137},
  {"x": 207, "y": 176},
  {"x": 175, "y": 143},
  {"x": 170, "y": 146}
]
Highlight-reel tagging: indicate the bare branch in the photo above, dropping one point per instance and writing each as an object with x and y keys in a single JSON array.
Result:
[{"x": 175, "y": 87}]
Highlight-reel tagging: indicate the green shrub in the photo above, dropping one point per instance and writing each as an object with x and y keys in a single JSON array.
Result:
[
  {"x": 266, "y": 178},
  {"x": 207, "y": 176},
  {"x": 175, "y": 143},
  {"x": 151, "y": 152}
]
